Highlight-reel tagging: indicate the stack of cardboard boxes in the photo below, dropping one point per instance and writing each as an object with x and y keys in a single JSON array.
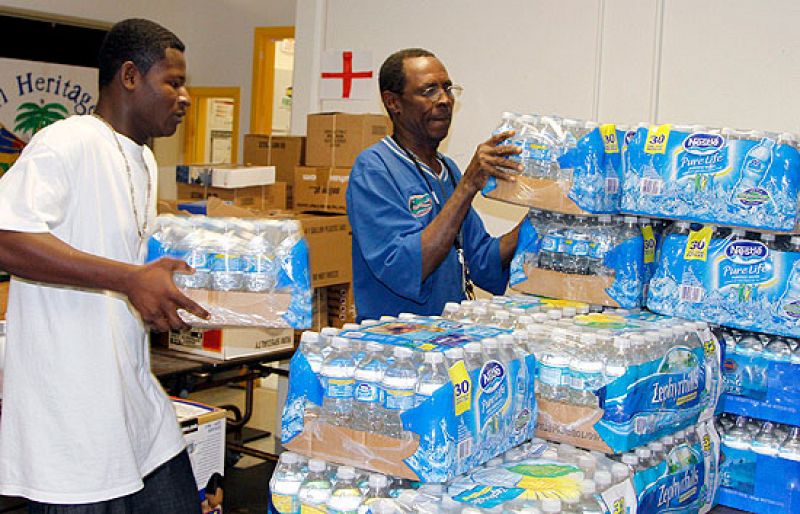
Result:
[{"x": 310, "y": 181}]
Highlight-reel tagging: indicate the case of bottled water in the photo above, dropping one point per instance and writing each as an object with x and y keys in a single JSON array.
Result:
[
  {"x": 729, "y": 277},
  {"x": 570, "y": 166},
  {"x": 722, "y": 176},
  {"x": 247, "y": 272},
  {"x": 760, "y": 465},
  {"x": 615, "y": 381},
  {"x": 598, "y": 260},
  {"x": 762, "y": 376},
  {"x": 418, "y": 397}
]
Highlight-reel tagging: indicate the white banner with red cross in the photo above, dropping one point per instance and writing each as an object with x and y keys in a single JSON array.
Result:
[{"x": 347, "y": 74}]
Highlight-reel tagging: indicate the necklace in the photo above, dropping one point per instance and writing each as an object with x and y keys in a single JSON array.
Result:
[{"x": 141, "y": 228}]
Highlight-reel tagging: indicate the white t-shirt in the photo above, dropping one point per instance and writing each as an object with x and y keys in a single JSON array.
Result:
[{"x": 83, "y": 417}]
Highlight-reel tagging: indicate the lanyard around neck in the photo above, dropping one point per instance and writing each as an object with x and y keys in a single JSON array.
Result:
[{"x": 422, "y": 173}]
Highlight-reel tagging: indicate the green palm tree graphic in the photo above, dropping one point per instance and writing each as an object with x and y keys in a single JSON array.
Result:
[{"x": 32, "y": 118}]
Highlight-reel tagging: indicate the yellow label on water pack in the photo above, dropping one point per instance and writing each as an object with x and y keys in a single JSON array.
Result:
[
  {"x": 649, "y": 244},
  {"x": 697, "y": 245},
  {"x": 284, "y": 503},
  {"x": 657, "y": 138},
  {"x": 427, "y": 347},
  {"x": 462, "y": 387},
  {"x": 609, "y": 134},
  {"x": 307, "y": 509}
]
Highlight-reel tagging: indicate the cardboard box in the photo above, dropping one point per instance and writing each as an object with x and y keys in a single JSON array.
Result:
[
  {"x": 242, "y": 176},
  {"x": 229, "y": 343},
  {"x": 329, "y": 238},
  {"x": 336, "y": 139},
  {"x": 341, "y": 305},
  {"x": 203, "y": 429},
  {"x": 273, "y": 196},
  {"x": 199, "y": 174},
  {"x": 283, "y": 152},
  {"x": 554, "y": 284},
  {"x": 539, "y": 193},
  {"x": 4, "y": 298},
  {"x": 321, "y": 189}
]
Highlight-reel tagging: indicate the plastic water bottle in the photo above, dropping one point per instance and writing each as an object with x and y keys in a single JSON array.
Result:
[
  {"x": 551, "y": 243},
  {"x": 367, "y": 410},
  {"x": 507, "y": 123},
  {"x": 588, "y": 504},
  {"x": 778, "y": 349},
  {"x": 378, "y": 488},
  {"x": 577, "y": 261},
  {"x": 554, "y": 373},
  {"x": 196, "y": 247},
  {"x": 473, "y": 356},
  {"x": 260, "y": 261},
  {"x": 754, "y": 167},
  {"x": 316, "y": 488},
  {"x": 432, "y": 376},
  {"x": 338, "y": 375},
  {"x": 791, "y": 446},
  {"x": 228, "y": 265},
  {"x": 789, "y": 302},
  {"x": 345, "y": 496},
  {"x": 765, "y": 442},
  {"x": 285, "y": 484},
  {"x": 551, "y": 506},
  {"x": 399, "y": 387},
  {"x": 452, "y": 311}
]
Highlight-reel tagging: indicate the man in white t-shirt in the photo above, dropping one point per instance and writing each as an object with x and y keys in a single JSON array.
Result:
[{"x": 85, "y": 426}]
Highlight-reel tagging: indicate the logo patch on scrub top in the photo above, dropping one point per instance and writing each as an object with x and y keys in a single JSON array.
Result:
[{"x": 420, "y": 205}]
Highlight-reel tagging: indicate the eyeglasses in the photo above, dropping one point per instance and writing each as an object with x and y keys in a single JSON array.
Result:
[{"x": 434, "y": 92}]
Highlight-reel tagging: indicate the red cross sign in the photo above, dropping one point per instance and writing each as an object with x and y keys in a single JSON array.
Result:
[{"x": 338, "y": 66}]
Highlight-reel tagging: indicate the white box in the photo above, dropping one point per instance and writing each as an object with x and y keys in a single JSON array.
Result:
[
  {"x": 242, "y": 176},
  {"x": 229, "y": 343},
  {"x": 203, "y": 429}
]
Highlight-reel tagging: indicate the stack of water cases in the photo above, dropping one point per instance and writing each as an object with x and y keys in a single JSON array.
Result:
[
  {"x": 761, "y": 425},
  {"x": 572, "y": 246},
  {"x": 454, "y": 400},
  {"x": 247, "y": 272}
]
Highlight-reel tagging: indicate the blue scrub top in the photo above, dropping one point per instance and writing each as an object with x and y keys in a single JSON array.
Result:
[{"x": 389, "y": 204}]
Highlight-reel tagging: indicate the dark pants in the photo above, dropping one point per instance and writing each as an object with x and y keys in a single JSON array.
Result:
[{"x": 169, "y": 489}]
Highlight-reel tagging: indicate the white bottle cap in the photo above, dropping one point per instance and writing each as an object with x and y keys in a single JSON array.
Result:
[
  {"x": 309, "y": 336},
  {"x": 554, "y": 314},
  {"x": 451, "y": 307},
  {"x": 351, "y": 326},
  {"x": 369, "y": 322},
  {"x": 473, "y": 347},
  {"x": 401, "y": 352},
  {"x": 405, "y": 316},
  {"x": 630, "y": 459},
  {"x": 569, "y": 312},
  {"x": 588, "y": 487},
  {"x": 643, "y": 453},
  {"x": 290, "y": 458},
  {"x": 345, "y": 473},
  {"x": 550, "y": 505},
  {"x": 620, "y": 470},
  {"x": 454, "y": 354},
  {"x": 317, "y": 465},
  {"x": 329, "y": 331},
  {"x": 374, "y": 347},
  {"x": 340, "y": 342},
  {"x": 378, "y": 480},
  {"x": 434, "y": 357},
  {"x": 387, "y": 318},
  {"x": 490, "y": 343},
  {"x": 603, "y": 479}
]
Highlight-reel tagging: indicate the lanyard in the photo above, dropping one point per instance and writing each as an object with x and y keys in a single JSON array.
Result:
[{"x": 458, "y": 242}]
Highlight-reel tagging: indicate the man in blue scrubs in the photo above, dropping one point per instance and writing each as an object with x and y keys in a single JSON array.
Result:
[{"x": 411, "y": 208}]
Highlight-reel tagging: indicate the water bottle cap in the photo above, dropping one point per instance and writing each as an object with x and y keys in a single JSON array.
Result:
[
  {"x": 503, "y": 315},
  {"x": 767, "y": 237},
  {"x": 583, "y": 309},
  {"x": 630, "y": 459},
  {"x": 602, "y": 478},
  {"x": 569, "y": 312},
  {"x": 480, "y": 310},
  {"x": 621, "y": 343},
  {"x": 451, "y": 307},
  {"x": 630, "y": 219},
  {"x": 507, "y": 339},
  {"x": 591, "y": 125},
  {"x": 588, "y": 338},
  {"x": 643, "y": 453},
  {"x": 508, "y": 115},
  {"x": 345, "y": 473},
  {"x": 550, "y": 505},
  {"x": 387, "y": 318},
  {"x": 340, "y": 342},
  {"x": 405, "y": 316},
  {"x": 473, "y": 347},
  {"x": 317, "y": 465},
  {"x": 369, "y": 322},
  {"x": 619, "y": 470},
  {"x": 290, "y": 458},
  {"x": 378, "y": 480},
  {"x": 454, "y": 354},
  {"x": 605, "y": 218},
  {"x": 554, "y": 314},
  {"x": 374, "y": 347},
  {"x": 657, "y": 446},
  {"x": 586, "y": 461},
  {"x": 351, "y": 326},
  {"x": 668, "y": 440},
  {"x": 434, "y": 357},
  {"x": 540, "y": 317},
  {"x": 401, "y": 352},
  {"x": 309, "y": 336},
  {"x": 329, "y": 331},
  {"x": 588, "y": 487},
  {"x": 645, "y": 221},
  {"x": 490, "y": 343}
]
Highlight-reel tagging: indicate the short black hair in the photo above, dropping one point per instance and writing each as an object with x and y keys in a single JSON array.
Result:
[
  {"x": 392, "y": 77},
  {"x": 140, "y": 41}
]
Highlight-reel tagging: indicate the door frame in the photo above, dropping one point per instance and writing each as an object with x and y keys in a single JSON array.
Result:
[
  {"x": 196, "y": 120},
  {"x": 263, "y": 85}
]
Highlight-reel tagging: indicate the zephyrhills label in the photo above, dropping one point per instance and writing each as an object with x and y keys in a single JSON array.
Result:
[{"x": 676, "y": 490}]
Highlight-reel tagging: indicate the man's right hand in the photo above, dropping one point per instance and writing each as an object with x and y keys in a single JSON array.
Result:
[
  {"x": 491, "y": 160},
  {"x": 153, "y": 293}
]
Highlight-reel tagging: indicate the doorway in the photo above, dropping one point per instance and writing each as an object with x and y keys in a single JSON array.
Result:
[
  {"x": 273, "y": 66},
  {"x": 212, "y": 126}
]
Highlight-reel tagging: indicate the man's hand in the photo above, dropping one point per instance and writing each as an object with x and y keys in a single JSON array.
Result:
[
  {"x": 153, "y": 293},
  {"x": 491, "y": 160}
]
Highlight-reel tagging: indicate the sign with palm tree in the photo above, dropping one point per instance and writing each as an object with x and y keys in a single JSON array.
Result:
[
  {"x": 35, "y": 94},
  {"x": 32, "y": 117}
]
